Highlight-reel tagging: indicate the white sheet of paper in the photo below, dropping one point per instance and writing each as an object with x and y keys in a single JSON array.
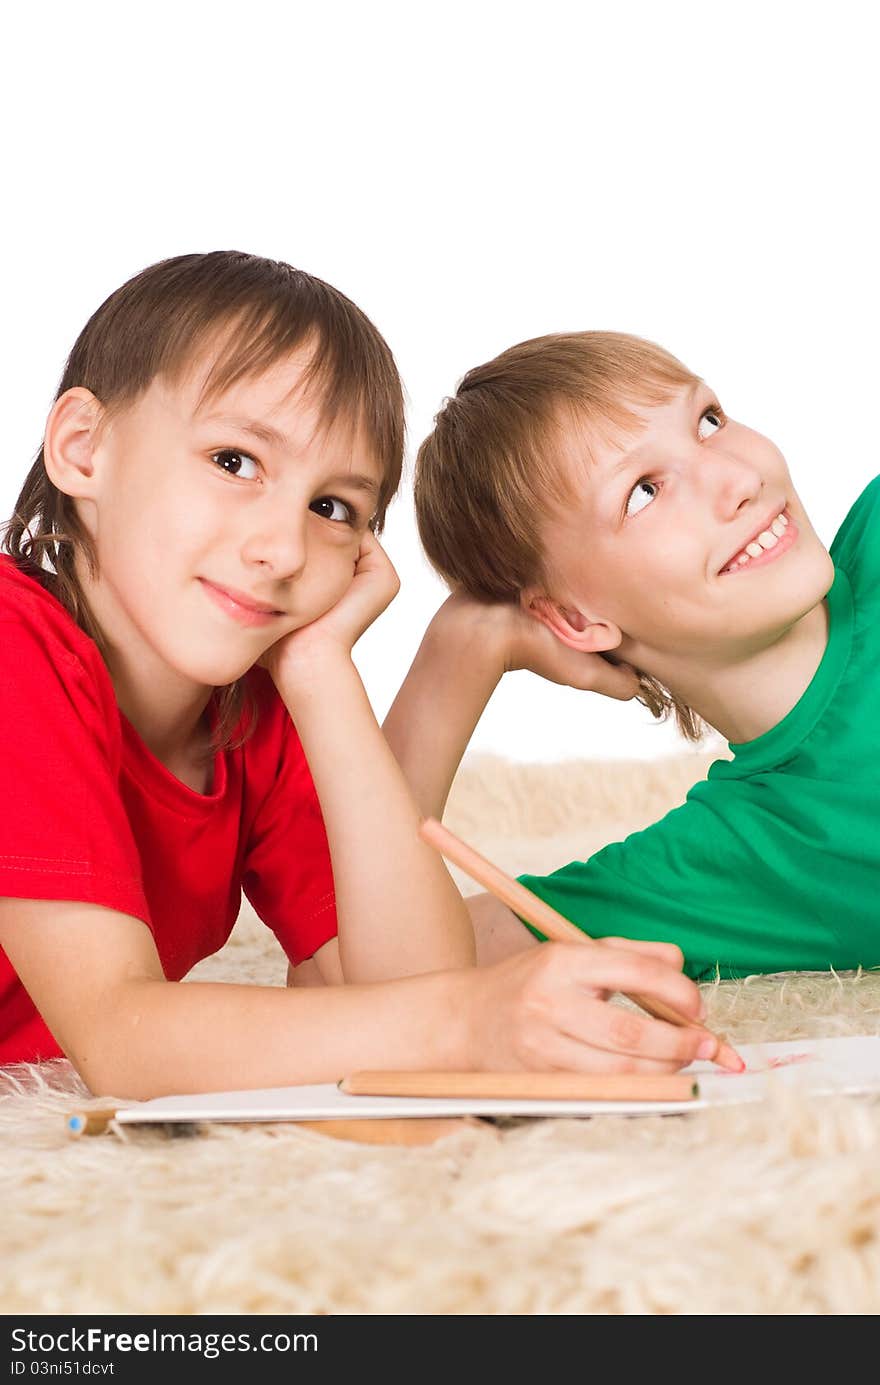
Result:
[{"x": 815, "y": 1065}]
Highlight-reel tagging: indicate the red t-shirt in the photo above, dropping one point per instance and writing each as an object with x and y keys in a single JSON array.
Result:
[{"x": 89, "y": 813}]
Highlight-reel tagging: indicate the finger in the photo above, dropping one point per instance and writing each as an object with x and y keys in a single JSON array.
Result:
[
  {"x": 372, "y": 558},
  {"x": 669, "y": 953},
  {"x": 633, "y": 973},
  {"x": 620, "y": 682},
  {"x": 621, "y": 1035},
  {"x": 590, "y": 1049},
  {"x": 370, "y": 552},
  {"x": 600, "y": 675}
]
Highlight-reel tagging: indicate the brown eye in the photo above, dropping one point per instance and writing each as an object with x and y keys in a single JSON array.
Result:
[
  {"x": 229, "y": 459},
  {"x": 331, "y": 508}
]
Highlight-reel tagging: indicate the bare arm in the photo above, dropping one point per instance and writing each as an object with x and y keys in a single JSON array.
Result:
[
  {"x": 467, "y": 648},
  {"x": 97, "y": 980},
  {"x": 324, "y": 969},
  {"x": 95, "y": 977},
  {"x": 457, "y": 667},
  {"x": 399, "y": 911},
  {"x": 498, "y": 932}
]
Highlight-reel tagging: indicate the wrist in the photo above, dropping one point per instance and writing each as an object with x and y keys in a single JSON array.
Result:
[
  {"x": 480, "y": 629},
  {"x": 314, "y": 674},
  {"x": 461, "y": 1006}
]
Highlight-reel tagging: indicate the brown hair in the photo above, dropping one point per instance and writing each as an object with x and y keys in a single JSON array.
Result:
[
  {"x": 253, "y": 312},
  {"x": 493, "y": 464}
]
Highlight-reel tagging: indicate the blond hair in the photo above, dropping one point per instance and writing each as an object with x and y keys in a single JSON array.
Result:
[{"x": 493, "y": 464}]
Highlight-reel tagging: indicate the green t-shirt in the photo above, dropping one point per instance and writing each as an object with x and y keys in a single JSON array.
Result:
[{"x": 773, "y": 861}]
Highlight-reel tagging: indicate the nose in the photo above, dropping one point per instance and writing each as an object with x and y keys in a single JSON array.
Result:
[
  {"x": 735, "y": 482},
  {"x": 276, "y": 538}
]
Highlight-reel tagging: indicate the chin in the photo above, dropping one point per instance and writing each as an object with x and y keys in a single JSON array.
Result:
[
  {"x": 221, "y": 677},
  {"x": 821, "y": 575},
  {"x": 211, "y": 671},
  {"x": 809, "y": 585}
]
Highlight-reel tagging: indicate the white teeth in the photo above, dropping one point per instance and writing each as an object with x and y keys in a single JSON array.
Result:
[{"x": 768, "y": 538}]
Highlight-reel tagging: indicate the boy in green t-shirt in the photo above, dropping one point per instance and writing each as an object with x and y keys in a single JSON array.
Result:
[{"x": 603, "y": 523}]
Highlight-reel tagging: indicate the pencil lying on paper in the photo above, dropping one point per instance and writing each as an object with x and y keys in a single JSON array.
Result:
[
  {"x": 526, "y": 1086},
  {"x": 542, "y": 916}
]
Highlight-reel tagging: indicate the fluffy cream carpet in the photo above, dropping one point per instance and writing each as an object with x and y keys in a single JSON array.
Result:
[{"x": 749, "y": 1210}]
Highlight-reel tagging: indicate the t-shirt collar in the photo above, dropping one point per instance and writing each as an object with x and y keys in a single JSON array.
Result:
[{"x": 782, "y": 740}]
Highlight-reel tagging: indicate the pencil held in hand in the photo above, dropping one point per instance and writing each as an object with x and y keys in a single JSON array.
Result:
[{"x": 542, "y": 916}]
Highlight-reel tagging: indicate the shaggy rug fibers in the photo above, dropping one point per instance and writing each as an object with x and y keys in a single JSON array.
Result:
[{"x": 746, "y": 1210}]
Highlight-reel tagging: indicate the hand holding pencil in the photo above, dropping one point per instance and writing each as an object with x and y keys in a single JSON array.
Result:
[{"x": 560, "y": 929}]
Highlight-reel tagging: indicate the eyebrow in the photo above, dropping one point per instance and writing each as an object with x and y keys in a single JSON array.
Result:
[
  {"x": 629, "y": 459},
  {"x": 264, "y": 432},
  {"x": 355, "y": 480}
]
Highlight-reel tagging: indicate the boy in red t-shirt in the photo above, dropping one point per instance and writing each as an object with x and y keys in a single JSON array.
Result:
[{"x": 192, "y": 558}]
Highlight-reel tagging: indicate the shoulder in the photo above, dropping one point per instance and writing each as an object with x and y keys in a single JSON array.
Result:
[
  {"x": 856, "y": 546},
  {"x": 42, "y": 643}
]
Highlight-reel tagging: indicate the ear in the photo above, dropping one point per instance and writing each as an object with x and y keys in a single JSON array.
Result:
[
  {"x": 586, "y": 633},
  {"x": 70, "y": 440}
]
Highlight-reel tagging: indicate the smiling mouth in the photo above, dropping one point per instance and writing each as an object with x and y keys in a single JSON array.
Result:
[
  {"x": 245, "y": 614},
  {"x": 771, "y": 542}
]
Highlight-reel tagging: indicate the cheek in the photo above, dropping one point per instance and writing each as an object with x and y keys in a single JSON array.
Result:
[
  {"x": 329, "y": 573},
  {"x": 766, "y": 455},
  {"x": 156, "y": 522},
  {"x": 651, "y": 589}
]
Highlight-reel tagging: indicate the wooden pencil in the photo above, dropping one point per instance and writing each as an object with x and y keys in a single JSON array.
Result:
[
  {"x": 89, "y": 1122},
  {"x": 399, "y": 1131},
  {"x": 525, "y": 1086},
  {"x": 559, "y": 929}
]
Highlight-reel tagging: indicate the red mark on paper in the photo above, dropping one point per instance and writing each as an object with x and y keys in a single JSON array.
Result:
[{"x": 783, "y": 1060}]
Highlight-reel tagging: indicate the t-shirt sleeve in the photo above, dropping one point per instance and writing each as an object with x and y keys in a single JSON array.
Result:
[
  {"x": 713, "y": 876},
  {"x": 288, "y": 875},
  {"x": 855, "y": 543},
  {"x": 856, "y": 548},
  {"x": 65, "y": 832}
]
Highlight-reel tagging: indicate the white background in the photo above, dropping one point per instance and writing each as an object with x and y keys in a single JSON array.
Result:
[{"x": 473, "y": 174}]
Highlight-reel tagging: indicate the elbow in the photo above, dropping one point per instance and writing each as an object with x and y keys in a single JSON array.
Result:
[{"x": 117, "y": 1052}]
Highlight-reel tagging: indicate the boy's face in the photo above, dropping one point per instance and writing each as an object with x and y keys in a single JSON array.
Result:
[
  {"x": 246, "y": 496},
  {"x": 660, "y": 513}
]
